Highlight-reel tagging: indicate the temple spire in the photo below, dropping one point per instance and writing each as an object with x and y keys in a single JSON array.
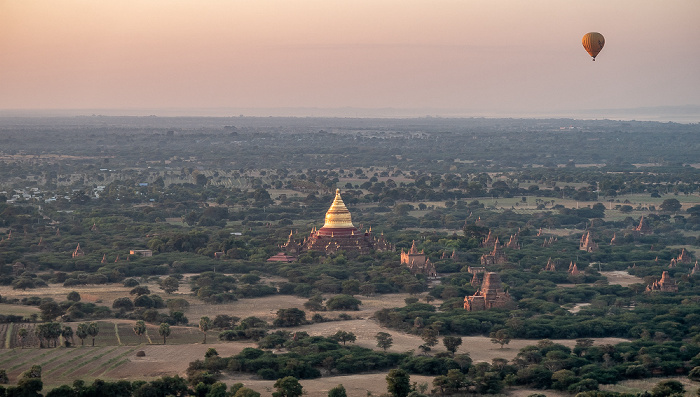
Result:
[{"x": 338, "y": 215}]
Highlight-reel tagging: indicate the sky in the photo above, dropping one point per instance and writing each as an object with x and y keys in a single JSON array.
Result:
[{"x": 507, "y": 57}]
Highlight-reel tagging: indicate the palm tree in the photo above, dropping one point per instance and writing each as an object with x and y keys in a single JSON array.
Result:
[
  {"x": 40, "y": 332},
  {"x": 204, "y": 326},
  {"x": 93, "y": 330},
  {"x": 54, "y": 332},
  {"x": 140, "y": 328},
  {"x": 22, "y": 334},
  {"x": 164, "y": 331},
  {"x": 82, "y": 332},
  {"x": 67, "y": 333}
]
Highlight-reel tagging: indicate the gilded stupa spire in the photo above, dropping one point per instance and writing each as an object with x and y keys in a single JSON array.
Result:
[{"x": 338, "y": 215}]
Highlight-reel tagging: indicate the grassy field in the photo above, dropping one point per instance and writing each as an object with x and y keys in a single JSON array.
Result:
[
  {"x": 641, "y": 385},
  {"x": 18, "y": 310}
]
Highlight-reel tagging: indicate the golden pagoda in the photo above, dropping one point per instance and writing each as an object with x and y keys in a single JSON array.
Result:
[
  {"x": 338, "y": 219},
  {"x": 337, "y": 234}
]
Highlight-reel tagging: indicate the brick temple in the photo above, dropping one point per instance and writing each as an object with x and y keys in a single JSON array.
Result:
[
  {"x": 337, "y": 234},
  {"x": 490, "y": 296}
]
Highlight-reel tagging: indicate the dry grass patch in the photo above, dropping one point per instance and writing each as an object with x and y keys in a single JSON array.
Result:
[
  {"x": 355, "y": 385},
  {"x": 622, "y": 278},
  {"x": 162, "y": 360},
  {"x": 480, "y": 348},
  {"x": 264, "y": 308},
  {"x": 103, "y": 294},
  {"x": 641, "y": 385},
  {"x": 18, "y": 310}
]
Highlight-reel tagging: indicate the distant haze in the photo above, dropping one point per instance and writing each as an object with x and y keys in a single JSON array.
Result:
[{"x": 351, "y": 58}]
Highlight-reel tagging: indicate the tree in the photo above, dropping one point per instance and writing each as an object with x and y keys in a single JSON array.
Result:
[
  {"x": 626, "y": 209},
  {"x": 73, "y": 296},
  {"x": 398, "y": 383},
  {"x": 92, "y": 330},
  {"x": 123, "y": 303},
  {"x": 29, "y": 384},
  {"x": 562, "y": 379},
  {"x": 315, "y": 303},
  {"x": 223, "y": 321},
  {"x": 62, "y": 391},
  {"x": 367, "y": 289},
  {"x": 289, "y": 317},
  {"x": 384, "y": 340},
  {"x": 452, "y": 343},
  {"x": 671, "y": 205},
  {"x": 164, "y": 331},
  {"x": 694, "y": 211},
  {"x": 338, "y": 391},
  {"x": 22, "y": 334},
  {"x": 288, "y": 386},
  {"x": 218, "y": 389},
  {"x": 34, "y": 372},
  {"x": 344, "y": 336},
  {"x": 211, "y": 352},
  {"x": 144, "y": 301},
  {"x": 67, "y": 333},
  {"x": 82, "y": 332},
  {"x": 463, "y": 360},
  {"x": 204, "y": 326},
  {"x": 23, "y": 283},
  {"x": 246, "y": 392},
  {"x": 451, "y": 383},
  {"x": 694, "y": 374},
  {"x": 130, "y": 283},
  {"x": 351, "y": 287},
  {"x": 430, "y": 337},
  {"x": 49, "y": 332},
  {"x": 200, "y": 179},
  {"x": 140, "y": 290},
  {"x": 27, "y": 387},
  {"x": 667, "y": 388},
  {"x": 500, "y": 337},
  {"x": 140, "y": 328},
  {"x": 50, "y": 310},
  {"x": 343, "y": 302},
  {"x": 170, "y": 285}
]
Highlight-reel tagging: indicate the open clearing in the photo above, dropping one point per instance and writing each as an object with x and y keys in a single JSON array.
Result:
[
  {"x": 640, "y": 385},
  {"x": 621, "y": 277},
  {"x": 355, "y": 385}
]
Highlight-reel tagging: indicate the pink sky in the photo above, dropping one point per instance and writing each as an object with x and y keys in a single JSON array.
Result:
[{"x": 512, "y": 56}]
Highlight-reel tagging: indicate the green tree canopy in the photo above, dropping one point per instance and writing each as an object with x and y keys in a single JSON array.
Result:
[
  {"x": 398, "y": 383},
  {"x": 288, "y": 386}
]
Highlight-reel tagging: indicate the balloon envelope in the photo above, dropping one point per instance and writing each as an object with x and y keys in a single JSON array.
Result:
[{"x": 593, "y": 42}]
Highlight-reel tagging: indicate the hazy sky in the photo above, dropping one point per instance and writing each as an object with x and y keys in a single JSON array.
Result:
[{"x": 513, "y": 56}]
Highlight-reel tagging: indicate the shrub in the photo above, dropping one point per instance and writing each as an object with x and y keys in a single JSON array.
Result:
[
  {"x": 268, "y": 374},
  {"x": 123, "y": 304},
  {"x": 130, "y": 283},
  {"x": 343, "y": 302}
]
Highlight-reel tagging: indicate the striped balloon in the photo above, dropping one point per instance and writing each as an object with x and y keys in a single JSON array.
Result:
[{"x": 593, "y": 42}]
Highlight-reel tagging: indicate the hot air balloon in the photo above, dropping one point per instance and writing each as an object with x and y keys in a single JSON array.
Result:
[{"x": 593, "y": 42}]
